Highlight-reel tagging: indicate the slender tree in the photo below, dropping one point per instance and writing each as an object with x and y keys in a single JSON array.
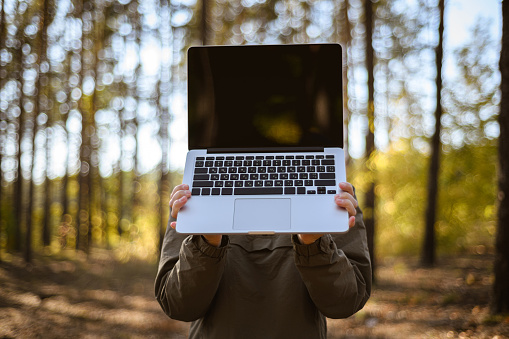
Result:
[
  {"x": 2, "y": 137},
  {"x": 429, "y": 246},
  {"x": 19, "y": 197},
  {"x": 369, "y": 203},
  {"x": 40, "y": 108},
  {"x": 204, "y": 23},
  {"x": 164, "y": 85},
  {"x": 500, "y": 301}
]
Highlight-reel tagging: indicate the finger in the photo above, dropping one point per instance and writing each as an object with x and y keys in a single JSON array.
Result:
[
  {"x": 351, "y": 222},
  {"x": 346, "y": 187},
  {"x": 346, "y": 204},
  {"x": 178, "y": 195},
  {"x": 346, "y": 195},
  {"x": 173, "y": 224},
  {"x": 177, "y": 205},
  {"x": 179, "y": 188}
]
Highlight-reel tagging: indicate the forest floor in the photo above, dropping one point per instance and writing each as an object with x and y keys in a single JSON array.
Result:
[{"x": 99, "y": 297}]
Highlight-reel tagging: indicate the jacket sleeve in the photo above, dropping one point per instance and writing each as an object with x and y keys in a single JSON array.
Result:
[
  {"x": 188, "y": 276},
  {"x": 337, "y": 270}
]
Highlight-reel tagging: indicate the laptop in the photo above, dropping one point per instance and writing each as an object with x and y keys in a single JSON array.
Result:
[{"x": 265, "y": 129}]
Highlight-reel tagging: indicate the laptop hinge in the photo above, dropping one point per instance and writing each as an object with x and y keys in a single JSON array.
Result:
[{"x": 265, "y": 150}]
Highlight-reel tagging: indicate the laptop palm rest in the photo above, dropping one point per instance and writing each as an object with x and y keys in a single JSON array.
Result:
[{"x": 262, "y": 214}]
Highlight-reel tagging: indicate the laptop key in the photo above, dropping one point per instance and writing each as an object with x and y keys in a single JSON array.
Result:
[
  {"x": 331, "y": 191},
  {"x": 195, "y": 191},
  {"x": 200, "y": 170},
  {"x": 289, "y": 190},
  {"x": 205, "y": 191},
  {"x": 325, "y": 182},
  {"x": 327, "y": 175},
  {"x": 227, "y": 191},
  {"x": 258, "y": 190},
  {"x": 311, "y": 192},
  {"x": 201, "y": 183},
  {"x": 301, "y": 190},
  {"x": 216, "y": 191},
  {"x": 201, "y": 177}
]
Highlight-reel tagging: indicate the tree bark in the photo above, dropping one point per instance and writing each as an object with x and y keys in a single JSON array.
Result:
[
  {"x": 500, "y": 301},
  {"x": 429, "y": 246}
]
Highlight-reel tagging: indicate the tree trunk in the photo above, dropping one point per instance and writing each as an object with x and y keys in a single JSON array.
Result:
[
  {"x": 429, "y": 246},
  {"x": 2, "y": 140},
  {"x": 369, "y": 203},
  {"x": 19, "y": 201},
  {"x": 500, "y": 301},
  {"x": 204, "y": 25},
  {"x": 47, "y": 184}
]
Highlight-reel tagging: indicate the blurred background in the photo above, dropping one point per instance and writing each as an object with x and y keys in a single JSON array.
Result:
[
  {"x": 93, "y": 114},
  {"x": 93, "y": 117}
]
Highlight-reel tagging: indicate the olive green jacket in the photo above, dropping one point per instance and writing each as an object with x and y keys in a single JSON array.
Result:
[{"x": 263, "y": 286}]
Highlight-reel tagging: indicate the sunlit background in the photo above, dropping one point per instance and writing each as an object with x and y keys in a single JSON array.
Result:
[{"x": 93, "y": 125}]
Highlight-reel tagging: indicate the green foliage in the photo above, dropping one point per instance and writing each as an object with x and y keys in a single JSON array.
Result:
[
  {"x": 466, "y": 204},
  {"x": 467, "y": 198}
]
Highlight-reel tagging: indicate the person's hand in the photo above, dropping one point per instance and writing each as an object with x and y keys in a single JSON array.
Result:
[
  {"x": 346, "y": 200},
  {"x": 178, "y": 199}
]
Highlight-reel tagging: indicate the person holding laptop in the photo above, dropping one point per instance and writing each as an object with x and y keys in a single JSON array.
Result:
[{"x": 264, "y": 286}]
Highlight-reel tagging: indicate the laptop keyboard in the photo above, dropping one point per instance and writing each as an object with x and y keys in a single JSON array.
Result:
[{"x": 261, "y": 175}]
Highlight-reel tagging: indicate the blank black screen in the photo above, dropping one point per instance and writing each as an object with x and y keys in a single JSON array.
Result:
[{"x": 265, "y": 96}]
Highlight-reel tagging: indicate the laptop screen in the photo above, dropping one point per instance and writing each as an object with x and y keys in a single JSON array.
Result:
[{"x": 265, "y": 96}]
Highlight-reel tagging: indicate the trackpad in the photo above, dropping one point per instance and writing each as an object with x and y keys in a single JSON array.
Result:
[{"x": 262, "y": 214}]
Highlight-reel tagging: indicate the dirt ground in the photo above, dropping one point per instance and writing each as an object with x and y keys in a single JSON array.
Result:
[{"x": 99, "y": 297}]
